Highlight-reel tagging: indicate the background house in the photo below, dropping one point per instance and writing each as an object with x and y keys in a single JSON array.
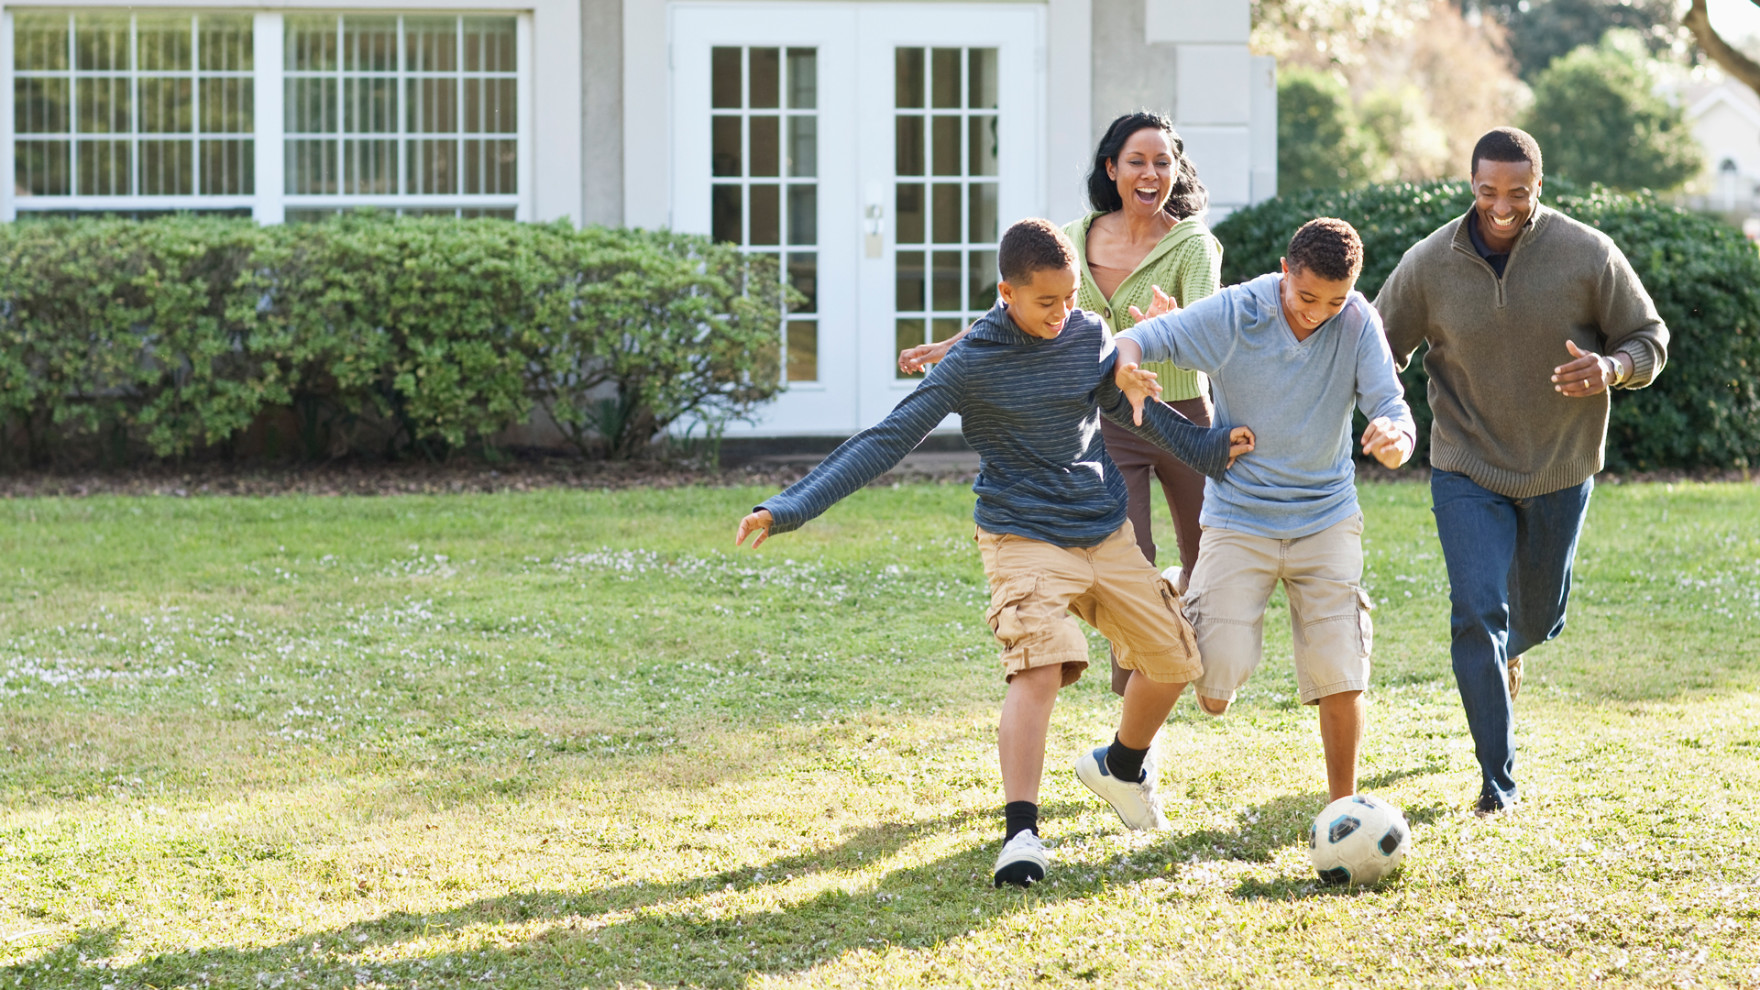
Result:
[
  {"x": 1725, "y": 117},
  {"x": 876, "y": 148}
]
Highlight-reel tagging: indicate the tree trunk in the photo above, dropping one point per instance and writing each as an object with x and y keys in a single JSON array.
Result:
[{"x": 1738, "y": 65}]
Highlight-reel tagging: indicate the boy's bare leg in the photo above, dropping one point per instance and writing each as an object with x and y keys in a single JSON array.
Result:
[
  {"x": 1020, "y": 737},
  {"x": 1341, "y": 733},
  {"x": 1146, "y": 706}
]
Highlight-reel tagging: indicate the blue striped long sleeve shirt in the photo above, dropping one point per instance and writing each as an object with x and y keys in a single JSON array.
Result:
[{"x": 1031, "y": 408}]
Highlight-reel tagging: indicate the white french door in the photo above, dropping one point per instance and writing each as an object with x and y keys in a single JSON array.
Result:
[{"x": 877, "y": 150}]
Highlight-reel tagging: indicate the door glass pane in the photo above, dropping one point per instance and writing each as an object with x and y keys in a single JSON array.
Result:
[
  {"x": 803, "y": 146},
  {"x": 765, "y": 223},
  {"x": 908, "y": 78},
  {"x": 727, "y": 214},
  {"x": 766, "y": 146},
  {"x": 945, "y": 213},
  {"x": 724, "y": 78},
  {"x": 803, "y": 350},
  {"x": 765, "y": 128},
  {"x": 907, "y": 332},
  {"x": 909, "y": 282},
  {"x": 725, "y": 155},
  {"x": 947, "y": 276},
  {"x": 803, "y": 274},
  {"x": 944, "y": 78},
  {"x": 803, "y": 215},
  {"x": 910, "y": 213},
  {"x": 803, "y": 78},
  {"x": 981, "y": 88},
  {"x": 766, "y": 80},
  {"x": 945, "y": 145},
  {"x": 909, "y": 149}
]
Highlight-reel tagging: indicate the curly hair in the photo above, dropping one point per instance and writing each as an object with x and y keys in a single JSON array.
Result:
[
  {"x": 1032, "y": 246},
  {"x": 1188, "y": 198},
  {"x": 1507, "y": 144},
  {"x": 1327, "y": 247}
]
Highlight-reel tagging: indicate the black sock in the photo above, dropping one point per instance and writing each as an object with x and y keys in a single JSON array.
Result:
[
  {"x": 1125, "y": 763},
  {"x": 1019, "y": 816}
]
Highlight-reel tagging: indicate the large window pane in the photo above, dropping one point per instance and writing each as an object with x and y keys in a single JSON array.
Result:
[
  {"x": 432, "y": 106},
  {"x": 228, "y": 168},
  {"x": 311, "y": 106},
  {"x": 312, "y": 168},
  {"x": 490, "y": 106},
  {"x": 226, "y": 106},
  {"x": 39, "y": 41},
  {"x": 39, "y": 106},
  {"x": 166, "y": 106},
  {"x": 369, "y": 167},
  {"x": 164, "y": 43},
  {"x": 490, "y": 167},
  {"x": 40, "y": 168},
  {"x": 225, "y": 42},
  {"x": 433, "y": 167},
  {"x": 105, "y": 168},
  {"x": 369, "y": 44},
  {"x": 489, "y": 44},
  {"x": 103, "y": 105},
  {"x": 101, "y": 42},
  {"x": 168, "y": 168},
  {"x": 431, "y": 44}
]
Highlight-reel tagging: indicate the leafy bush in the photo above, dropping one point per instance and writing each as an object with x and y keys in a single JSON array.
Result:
[
  {"x": 378, "y": 334},
  {"x": 110, "y": 326},
  {"x": 654, "y": 327},
  {"x": 1704, "y": 409}
]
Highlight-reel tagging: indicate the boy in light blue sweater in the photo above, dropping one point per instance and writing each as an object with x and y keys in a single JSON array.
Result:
[
  {"x": 1030, "y": 384},
  {"x": 1292, "y": 352}
]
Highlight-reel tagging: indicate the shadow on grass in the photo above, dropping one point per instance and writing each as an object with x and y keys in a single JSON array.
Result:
[{"x": 677, "y": 932}]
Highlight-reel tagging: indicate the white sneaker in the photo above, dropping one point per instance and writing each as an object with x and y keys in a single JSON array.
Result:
[
  {"x": 1134, "y": 801},
  {"x": 1023, "y": 860}
]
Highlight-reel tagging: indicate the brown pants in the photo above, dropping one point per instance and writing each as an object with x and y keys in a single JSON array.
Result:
[{"x": 1138, "y": 460}]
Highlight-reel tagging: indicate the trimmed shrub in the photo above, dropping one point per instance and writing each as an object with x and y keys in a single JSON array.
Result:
[
  {"x": 110, "y": 328},
  {"x": 1704, "y": 409},
  {"x": 381, "y": 335}
]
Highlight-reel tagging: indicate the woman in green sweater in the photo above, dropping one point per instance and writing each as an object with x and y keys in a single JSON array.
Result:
[{"x": 1144, "y": 233}]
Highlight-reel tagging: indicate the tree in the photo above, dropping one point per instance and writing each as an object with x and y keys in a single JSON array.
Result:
[
  {"x": 1543, "y": 30},
  {"x": 1321, "y": 143},
  {"x": 1598, "y": 118},
  {"x": 1424, "y": 81},
  {"x": 1739, "y": 66}
]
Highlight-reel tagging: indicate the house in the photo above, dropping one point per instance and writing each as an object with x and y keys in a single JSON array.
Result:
[
  {"x": 876, "y": 148},
  {"x": 1725, "y": 117}
]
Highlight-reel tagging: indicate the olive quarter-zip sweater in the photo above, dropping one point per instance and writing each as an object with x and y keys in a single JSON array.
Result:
[
  {"x": 1494, "y": 341},
  {"x": 1031, "y": 407}
]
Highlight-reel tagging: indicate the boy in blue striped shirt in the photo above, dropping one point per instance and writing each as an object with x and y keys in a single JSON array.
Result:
[{"x": 1030, "y": 383}]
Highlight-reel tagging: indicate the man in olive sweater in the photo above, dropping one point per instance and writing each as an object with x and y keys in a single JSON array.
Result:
[{"x": 1532, "y": 318}]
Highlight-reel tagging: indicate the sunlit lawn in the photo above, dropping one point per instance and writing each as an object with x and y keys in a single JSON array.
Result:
[{"x": 575, "y": 739}]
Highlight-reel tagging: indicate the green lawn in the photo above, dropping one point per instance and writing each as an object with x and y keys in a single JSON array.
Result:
[{"x": 574, "y": 738}]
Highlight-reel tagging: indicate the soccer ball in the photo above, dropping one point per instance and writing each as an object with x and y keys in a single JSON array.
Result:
[{"x": 1358, "y": 840}]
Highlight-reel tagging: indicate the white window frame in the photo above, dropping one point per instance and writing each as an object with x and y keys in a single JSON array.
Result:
[{"x": 270, "y": 201}]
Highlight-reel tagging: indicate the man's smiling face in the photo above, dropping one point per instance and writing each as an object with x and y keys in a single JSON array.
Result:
[{"x": 1504, "y": 197}]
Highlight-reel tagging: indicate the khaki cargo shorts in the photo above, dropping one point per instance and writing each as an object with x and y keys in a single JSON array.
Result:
[
  {"x": 1328, "y": 610},
  {"x": 1037, "y": 591}
]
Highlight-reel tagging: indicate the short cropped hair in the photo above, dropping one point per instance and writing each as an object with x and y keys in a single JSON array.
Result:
[
  {"x": 1507, "y": 144},
  {"x": 1327, "y": 247},
  {"x": 1032, "y": 246}
]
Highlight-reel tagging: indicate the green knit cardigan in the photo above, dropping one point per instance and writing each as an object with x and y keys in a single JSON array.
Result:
[{"x": 1187, "y": 263}]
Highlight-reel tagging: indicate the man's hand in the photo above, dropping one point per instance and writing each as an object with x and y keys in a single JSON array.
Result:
[
  {"x": 914, "y": 359},
  {"x": 1587, "y": 374},
  {"x": 758, "y": 522},
  {"x": 1138, "y": 386},
  {"x": 1387, "y": 443},
  {"x": 1240, "y": 441},
  {"x": 1162, "y": 305}
]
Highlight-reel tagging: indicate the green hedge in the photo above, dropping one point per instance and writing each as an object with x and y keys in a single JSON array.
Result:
[
  {"x": 371, "y": 334},
  {"x": 1702, "y": 412}
]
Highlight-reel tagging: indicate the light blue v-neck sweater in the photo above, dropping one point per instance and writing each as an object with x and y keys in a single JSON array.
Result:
[{"x": 1296, "y": 395}]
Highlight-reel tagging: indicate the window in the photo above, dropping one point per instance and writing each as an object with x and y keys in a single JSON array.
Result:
[
  {"x": 764, "y": 191},
  {"x": 139, "y": 112},
  {"x": 944, "y": 119},
  {"x": 124, "y": 105}
]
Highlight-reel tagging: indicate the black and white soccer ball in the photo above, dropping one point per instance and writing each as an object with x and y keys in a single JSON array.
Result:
[{"x": 1358, "y": 840}]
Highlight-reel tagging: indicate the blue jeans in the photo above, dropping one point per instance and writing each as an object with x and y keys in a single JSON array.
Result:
[{"x": 1509, "y": 578}]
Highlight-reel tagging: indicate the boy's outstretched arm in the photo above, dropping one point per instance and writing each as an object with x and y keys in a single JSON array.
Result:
[
  {"x": 1387, "y": 443},
  {"x": 860, "y": 459}
]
